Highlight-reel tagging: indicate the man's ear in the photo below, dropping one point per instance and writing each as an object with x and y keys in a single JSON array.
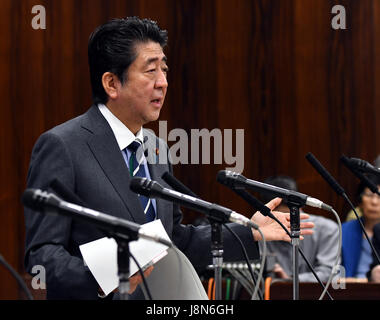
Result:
[{"x": 111, "y": 83}]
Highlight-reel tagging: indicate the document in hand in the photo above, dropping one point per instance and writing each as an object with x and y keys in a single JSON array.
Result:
[{"x": 101, "y": 255}]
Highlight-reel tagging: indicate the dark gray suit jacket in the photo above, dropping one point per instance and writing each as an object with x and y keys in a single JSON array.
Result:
[{"x": 83, "y": 155}]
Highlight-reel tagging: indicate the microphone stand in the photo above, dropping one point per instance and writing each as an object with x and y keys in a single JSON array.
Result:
[
  {"x": 266, "y": 212},
  {"x": 217, "y": 255},
  {"x": 123, "y": 255},
  {"x": 295, "y": 240},
  {"x": 123, "y": 266},
  {"x": 216, "y": 235}
]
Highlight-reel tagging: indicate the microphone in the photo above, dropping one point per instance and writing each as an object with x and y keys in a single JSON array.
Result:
[
  {"x": 340, "y": 191},
  {"x": 351, "y": 166},
  {"x": 258, "y": 205},
  {"x": 235, "y": 180},
  {"x": 254, "y": 202},
  {"x": 363, "y": 166},
  {"x": 153, "y": 189},
  {"x": 39, "y": 200},
  {"x": 176, "y": 184},
  {"x": 325, "y": 174}
]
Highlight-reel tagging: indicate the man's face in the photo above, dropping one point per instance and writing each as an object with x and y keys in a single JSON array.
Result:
[{"x": 143, "y": 93}]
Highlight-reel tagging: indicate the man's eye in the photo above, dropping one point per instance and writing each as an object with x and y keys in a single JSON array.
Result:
[{"x": 151, "y": 70}]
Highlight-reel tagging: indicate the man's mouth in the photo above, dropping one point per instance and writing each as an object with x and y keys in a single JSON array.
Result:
[{"x": 157, "y": 102}]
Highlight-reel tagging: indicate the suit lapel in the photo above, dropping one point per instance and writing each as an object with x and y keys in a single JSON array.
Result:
[{"x": 105, "y": 149}]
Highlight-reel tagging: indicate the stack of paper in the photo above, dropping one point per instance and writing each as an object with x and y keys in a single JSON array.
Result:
[{"x": 101, "y": 255}]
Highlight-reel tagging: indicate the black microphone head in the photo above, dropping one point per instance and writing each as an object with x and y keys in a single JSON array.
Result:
[
  {"x": 176, "y": 184},
  {"x": 354, "y": 163},
  {"x": 359, "y": 162},
  {"x": 28, "y": 197},
  {"x": 346, "y": 161},
  {"x": 166, "y": 176},
  {"x": 145, "y": 187},
  {"x": 221, "y": 177},
  {"x": 140, "y": 185},
  {"x": 355, "y": 166},
  {"x": 37, "y": 199},
  {"x": 364, "y": 166},
  {"x": 325, "y": 174},
  {"x": 229, "y": 178}
]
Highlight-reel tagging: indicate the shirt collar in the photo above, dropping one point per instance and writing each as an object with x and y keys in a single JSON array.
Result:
[{"x": 124, "y": 136}]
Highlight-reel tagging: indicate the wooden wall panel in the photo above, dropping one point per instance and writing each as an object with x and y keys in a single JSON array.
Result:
[
  {"x": 273, "y": 68},
  {"x": 9, "y": 173}
]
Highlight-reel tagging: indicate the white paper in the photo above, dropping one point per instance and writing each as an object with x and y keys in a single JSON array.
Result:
[{"x": 101, "y": 255}]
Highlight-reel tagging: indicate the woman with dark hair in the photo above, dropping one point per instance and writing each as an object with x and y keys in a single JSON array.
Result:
[
  {"x": 351, "y": 215},
  {"x": 356, "y": 251}
]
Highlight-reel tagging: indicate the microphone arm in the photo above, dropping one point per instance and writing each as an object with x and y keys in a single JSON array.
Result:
[
  {"x": 295, "y": 200},
  {"x": 153, "y": 189},
  {"x": 341, "y": 192},
  {"x": 258, "y": 205},
  {"x": 39, "y": 200},
  {"x": 217, "y": 215},
  {"x": 122, "y": 230},
  {"x": 236, "y": 180},
  {"x": 216, "y": 235},
  {"x": 179, "y": 186}
]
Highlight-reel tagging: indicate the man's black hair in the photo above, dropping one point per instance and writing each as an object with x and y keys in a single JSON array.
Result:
[{"x": 111, "y": 48}]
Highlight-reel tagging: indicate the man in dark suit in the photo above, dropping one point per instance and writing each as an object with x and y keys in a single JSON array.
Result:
[{"x": 88, "y": 159}]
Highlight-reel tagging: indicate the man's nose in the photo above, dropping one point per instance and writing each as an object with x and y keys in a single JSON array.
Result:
[{"x": 161, "y": 81}]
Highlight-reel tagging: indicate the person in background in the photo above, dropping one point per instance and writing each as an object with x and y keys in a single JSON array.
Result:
[
  {"x": 351, "y": 215},
  {"x": 320, "y": 249},
  {"x": 356, "y": 251}
]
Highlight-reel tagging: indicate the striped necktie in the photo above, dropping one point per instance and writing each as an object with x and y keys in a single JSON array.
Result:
[{"x": 136, "y": 169}]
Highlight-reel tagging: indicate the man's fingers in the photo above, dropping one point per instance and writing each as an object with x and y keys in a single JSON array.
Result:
[
  {"x": 138, "y": 278},
  {"x": 303, "y": 225},
  {"x": 148, "y": 271},
  {"x": 274, "y": 203},
  {"x": 304, "y": 216},
  {"x": 307, "y": 232},
  {"x": 307, "y": 225}
]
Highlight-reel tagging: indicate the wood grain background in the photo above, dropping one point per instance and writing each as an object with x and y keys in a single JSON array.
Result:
[{"x": 274, "y": 68}]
